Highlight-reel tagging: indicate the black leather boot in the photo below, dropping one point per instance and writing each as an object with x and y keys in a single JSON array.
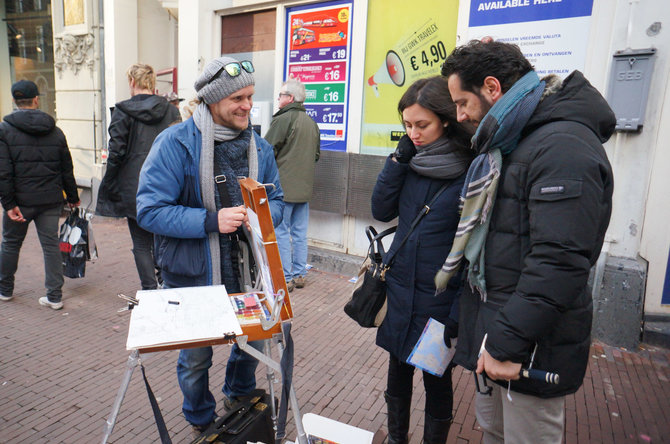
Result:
[
  {"x": 435, "y": 430},
  {"x": 397, "y": 418}
]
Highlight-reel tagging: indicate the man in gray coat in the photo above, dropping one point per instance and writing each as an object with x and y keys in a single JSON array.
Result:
[{"x": 296, "y": 140}]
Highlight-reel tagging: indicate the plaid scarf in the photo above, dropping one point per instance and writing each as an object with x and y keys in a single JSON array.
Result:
[{"x": 497, "y": 135}]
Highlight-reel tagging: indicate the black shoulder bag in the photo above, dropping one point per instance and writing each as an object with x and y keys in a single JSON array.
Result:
[{"x": 367, "y": 305}]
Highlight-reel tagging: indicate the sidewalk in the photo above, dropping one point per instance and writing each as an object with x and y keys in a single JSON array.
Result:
[{"x": 60, "y": 370}]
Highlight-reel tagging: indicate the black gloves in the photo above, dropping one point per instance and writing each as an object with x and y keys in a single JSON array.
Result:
[
  {"x": 450, "y": 331},
  {"x": 405, "y": 150}
]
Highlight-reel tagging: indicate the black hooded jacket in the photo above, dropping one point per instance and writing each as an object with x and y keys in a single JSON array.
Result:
[
  {"x": 135, "y": 124},
  {"x": 547, "y": 228},
  {"x": 35, "y": 162}
]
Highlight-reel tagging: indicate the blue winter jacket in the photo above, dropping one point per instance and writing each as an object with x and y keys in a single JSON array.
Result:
[
  {"x": 410, "y": 288},
  {"x": 169, "y": 203}
]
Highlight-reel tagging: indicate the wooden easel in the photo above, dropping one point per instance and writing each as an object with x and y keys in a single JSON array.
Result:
[{"x": 264, "y": 244}]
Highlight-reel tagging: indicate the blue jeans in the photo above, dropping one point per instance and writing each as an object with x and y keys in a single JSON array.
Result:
[
  {"x": 193, "y": 375},
  {"x": 292, "y": 239},
  {"x": 13, "y": 234}
]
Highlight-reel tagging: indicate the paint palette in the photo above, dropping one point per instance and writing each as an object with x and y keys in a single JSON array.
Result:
[{"x": 248, "y": 308}]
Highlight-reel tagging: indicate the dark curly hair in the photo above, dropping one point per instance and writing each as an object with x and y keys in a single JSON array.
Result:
[
  {"x": 432, "y": 93},
  {"x": 477, "y": 60}
]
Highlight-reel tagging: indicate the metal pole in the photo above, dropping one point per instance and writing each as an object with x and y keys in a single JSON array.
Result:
[
  {"x": 133, "y": 361},
  {"x": 267, "y": 350},
  {"x": 297, "y": 416}
]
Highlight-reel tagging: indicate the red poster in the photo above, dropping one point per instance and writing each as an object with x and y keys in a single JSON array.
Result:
[{"x": 318, "y": 29}]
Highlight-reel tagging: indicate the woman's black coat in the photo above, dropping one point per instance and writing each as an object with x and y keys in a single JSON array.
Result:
[
  {"x": 135, "y": 124},
  {"x": 401, "y": 192}
]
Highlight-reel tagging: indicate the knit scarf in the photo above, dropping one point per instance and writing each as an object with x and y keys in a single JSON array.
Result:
[
  {"x": 440, "y": 160},
  {"x": 212, "y": 132},
  {"x": 497, "y": 135}
]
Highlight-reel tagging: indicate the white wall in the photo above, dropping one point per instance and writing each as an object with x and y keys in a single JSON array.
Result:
[
  {"x": 655, "y": 236},
  {"x": 78, "y": 107},
  {"x": 156, "y": 37},
  {"x": 121, "y": 47}
]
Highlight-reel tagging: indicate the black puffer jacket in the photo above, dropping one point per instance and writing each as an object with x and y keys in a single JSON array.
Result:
[
  {"x": 401, "y": 192},
  {"x": 551, "y": 212},
  {"x": 135, "y": 124},
  {"x": 35, "y": 162}
]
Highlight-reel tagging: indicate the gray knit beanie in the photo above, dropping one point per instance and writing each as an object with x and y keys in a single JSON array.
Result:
[{"x": 223, "y": 85}]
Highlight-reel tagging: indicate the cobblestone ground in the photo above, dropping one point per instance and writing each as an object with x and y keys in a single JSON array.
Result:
[{"x": 60, "y": 370}]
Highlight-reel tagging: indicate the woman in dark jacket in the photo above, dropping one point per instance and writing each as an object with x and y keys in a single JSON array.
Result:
[
  {"x": 432, "y": 154},
  {"x": 135, "y": 124}
]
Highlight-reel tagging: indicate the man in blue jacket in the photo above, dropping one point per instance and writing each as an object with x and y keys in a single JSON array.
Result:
[{"x": 189, "y": 197}]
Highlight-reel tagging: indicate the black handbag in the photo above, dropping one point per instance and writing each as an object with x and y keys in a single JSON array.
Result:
[{"x": 367, "y": 305}]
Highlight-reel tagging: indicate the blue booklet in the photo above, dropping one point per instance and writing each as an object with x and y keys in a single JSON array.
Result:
[{"x": 430, "y": 353}]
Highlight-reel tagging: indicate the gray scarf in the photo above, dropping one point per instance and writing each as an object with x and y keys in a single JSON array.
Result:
[
  {"x": 440, "y": 160},
  {"x": 212, "y": 132}
]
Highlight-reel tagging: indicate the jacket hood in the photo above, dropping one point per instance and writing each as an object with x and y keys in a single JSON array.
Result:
[
  {"x": 578, "y": 101},
  {"x": 147, "y": 108},
  {"x": 31, "y": 121}
]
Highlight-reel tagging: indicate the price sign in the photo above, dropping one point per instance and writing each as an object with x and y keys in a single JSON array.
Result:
[{"x": 318, "y": 47}]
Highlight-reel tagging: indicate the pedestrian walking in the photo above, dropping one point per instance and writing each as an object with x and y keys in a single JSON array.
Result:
[{"x": 35, "y": 169}]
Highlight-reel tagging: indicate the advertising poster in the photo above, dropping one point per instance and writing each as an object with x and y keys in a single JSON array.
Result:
[
  {"x": 405, "y": 41},
  {"x": 318, "y": 48},
  {"x": 552, "y": 34}
]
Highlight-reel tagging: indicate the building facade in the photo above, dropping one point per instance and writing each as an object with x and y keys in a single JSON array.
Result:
[{"x": 356, "y": 57}]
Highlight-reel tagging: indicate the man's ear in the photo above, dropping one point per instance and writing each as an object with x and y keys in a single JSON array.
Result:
[
  {"x": 491, "y": 89},
  {"x": 36, "y": 101}
]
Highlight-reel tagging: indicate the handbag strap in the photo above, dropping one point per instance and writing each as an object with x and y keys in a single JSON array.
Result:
[
  {"x": 376, "y": 246},
  {"x": 425, "y": 210}
]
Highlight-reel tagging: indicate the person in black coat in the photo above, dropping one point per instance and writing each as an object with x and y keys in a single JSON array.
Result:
[
  {"x": 35, "y": 169},
  {"x": 433, "y": 153},
  {"x": 135, "y": 124},
  {"x": 545, "y": 231}
]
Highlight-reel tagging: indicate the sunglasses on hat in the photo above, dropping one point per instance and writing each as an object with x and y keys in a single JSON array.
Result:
[{"x": 233, "y": 69}]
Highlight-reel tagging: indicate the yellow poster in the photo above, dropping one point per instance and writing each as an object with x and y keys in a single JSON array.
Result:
[{"x": 406, "y": 41}]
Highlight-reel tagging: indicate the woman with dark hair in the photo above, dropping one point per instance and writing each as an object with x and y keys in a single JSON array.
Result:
[{"x": 433, "y": 154}]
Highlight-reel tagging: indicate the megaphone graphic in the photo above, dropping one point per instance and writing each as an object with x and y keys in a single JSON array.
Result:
[{"x": 391, "y": 71}]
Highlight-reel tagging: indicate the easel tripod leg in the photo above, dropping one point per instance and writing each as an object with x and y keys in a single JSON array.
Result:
[
  {"x": 271, "y": 387},
  {"x": 133, "y": 361},
  {"x": 293, "y": 399}
]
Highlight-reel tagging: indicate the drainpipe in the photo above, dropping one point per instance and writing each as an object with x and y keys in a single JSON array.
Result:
[{"x": 103, "y": 86}]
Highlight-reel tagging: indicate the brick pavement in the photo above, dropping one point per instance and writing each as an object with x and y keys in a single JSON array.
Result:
[{"x": 60, "y": 370}]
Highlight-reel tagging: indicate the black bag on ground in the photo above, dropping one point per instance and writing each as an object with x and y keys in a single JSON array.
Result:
[
  {"x": 367, "y": 305},
  {"x": 250, "y": 420},
  {"x": 74, "y": 244}
]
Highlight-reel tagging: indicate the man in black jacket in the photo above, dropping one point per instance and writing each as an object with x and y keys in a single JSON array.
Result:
[
  {"x": 35, "y": 169},
  {"x": 545, "y": 205}
]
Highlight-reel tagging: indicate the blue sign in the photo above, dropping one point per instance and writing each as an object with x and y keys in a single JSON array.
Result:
[{"x": 500, "y": 12}]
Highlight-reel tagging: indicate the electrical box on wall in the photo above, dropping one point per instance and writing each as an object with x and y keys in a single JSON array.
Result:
[
  {"x": 261, "y": 117},
  {"x": 628, "y": 91}
]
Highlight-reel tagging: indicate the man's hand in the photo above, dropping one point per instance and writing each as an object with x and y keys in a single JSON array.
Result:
[
  {"x": 15, "y": 215},
  {"x": 73, "y": 205},
  {"x": 505, "y": 371},
  {"x": 231, "y": 218}
]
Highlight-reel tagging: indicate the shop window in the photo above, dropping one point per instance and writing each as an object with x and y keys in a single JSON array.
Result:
[
  {"x": 251, "y": 36},
  {"x": 30, "y": 38}
]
